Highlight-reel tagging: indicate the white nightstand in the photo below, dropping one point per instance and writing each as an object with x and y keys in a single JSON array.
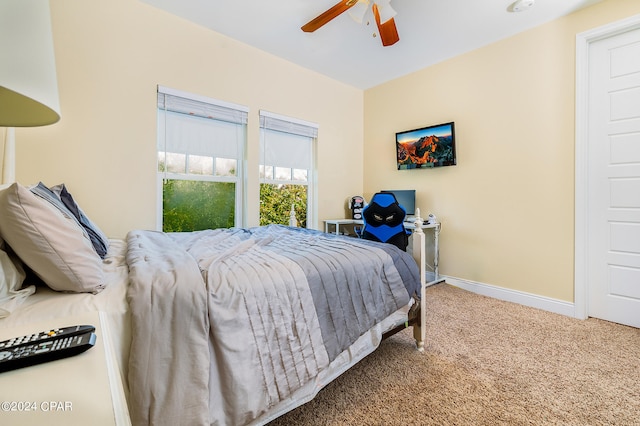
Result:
[{"x": 80, "y": 390}]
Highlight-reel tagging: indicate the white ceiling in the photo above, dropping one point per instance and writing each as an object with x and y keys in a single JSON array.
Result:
[{"x": 430, "y": 31}]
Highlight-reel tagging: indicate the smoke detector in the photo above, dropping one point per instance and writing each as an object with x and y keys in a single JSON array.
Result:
[{"x": 521, "y": 5}]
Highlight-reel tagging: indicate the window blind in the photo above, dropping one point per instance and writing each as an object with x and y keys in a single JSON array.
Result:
[
  {"x": 198, "y": 126},
  {"x": 286, "y": 142},
  {"x": 210, "y": 109}
]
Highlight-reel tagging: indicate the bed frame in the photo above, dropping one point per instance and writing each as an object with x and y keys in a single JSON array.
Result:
[{"x": 417, "y": 313}]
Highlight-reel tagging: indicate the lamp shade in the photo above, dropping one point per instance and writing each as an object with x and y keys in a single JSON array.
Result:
[{"x": 28, "y": 81}]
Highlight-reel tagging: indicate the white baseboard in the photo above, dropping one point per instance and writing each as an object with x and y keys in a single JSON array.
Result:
[{"x": 532, "y": 300}]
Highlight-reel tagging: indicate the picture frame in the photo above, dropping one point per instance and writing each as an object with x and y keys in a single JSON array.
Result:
[{"x": 426, "y": 147}]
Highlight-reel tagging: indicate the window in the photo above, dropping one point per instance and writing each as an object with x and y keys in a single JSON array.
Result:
[
  {"x": 287, "y": 169},
  {"x": 200, "y": 161}
]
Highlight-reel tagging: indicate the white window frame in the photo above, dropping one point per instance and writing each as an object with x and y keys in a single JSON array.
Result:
[
  {"x": 295, "y": 125},
  {"x": 239, "y": 179}
]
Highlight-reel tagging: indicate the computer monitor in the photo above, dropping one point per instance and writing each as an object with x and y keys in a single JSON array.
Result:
[{"x": 406, "y": 198}]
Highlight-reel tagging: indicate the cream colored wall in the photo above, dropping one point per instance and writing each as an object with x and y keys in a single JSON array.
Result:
[
  {"x": 110, "y": 57},
  {"x": 507, "y": 208}
]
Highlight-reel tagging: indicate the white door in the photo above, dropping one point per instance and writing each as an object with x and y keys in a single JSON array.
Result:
[{"x": 613, "y": 174}]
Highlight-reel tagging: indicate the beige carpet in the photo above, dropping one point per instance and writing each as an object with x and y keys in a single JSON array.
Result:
[{"x": 489, "y": 362}]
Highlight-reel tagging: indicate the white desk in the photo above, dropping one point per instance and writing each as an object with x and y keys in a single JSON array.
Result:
[{"x": 432, "y": 277}]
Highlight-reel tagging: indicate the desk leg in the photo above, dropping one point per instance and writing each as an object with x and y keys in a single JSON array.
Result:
[
  {"x": 436, "y": 257},
  {"x": 326, "y": 228},
  {"x": 436, "y": 249}
]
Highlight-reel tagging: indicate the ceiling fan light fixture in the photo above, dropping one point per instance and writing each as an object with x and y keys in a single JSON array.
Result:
[
  {"x": 385, "y": 23},
  {"x": 358, "y": 11},
  {"x": 385, "y": 10}
]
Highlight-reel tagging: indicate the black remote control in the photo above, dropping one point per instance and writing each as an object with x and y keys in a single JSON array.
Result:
[
  {"x": 46, "y": 346},
  {"x": 54, "y": 333}
]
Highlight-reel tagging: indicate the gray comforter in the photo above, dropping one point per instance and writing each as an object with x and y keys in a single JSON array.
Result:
[{"x": 227, "y": 323}]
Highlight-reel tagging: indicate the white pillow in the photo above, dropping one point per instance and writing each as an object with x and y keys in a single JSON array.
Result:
[
  {"x": 11, "y": 279},
  {"x": 52, "y": 245}
]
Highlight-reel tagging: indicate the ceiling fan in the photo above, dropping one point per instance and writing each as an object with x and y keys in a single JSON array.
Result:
[{"x": 381, "y": 9}]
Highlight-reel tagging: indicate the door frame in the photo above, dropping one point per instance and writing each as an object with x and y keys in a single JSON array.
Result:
[{"x": 583, "y": 41}]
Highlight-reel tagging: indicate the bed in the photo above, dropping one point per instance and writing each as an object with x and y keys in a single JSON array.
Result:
[{"x": 230, "y": 326}]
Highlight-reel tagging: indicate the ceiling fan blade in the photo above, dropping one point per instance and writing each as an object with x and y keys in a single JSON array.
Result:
[
  {"x": 388, "y": 31},
  {"x": 327, "y": 16}
]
